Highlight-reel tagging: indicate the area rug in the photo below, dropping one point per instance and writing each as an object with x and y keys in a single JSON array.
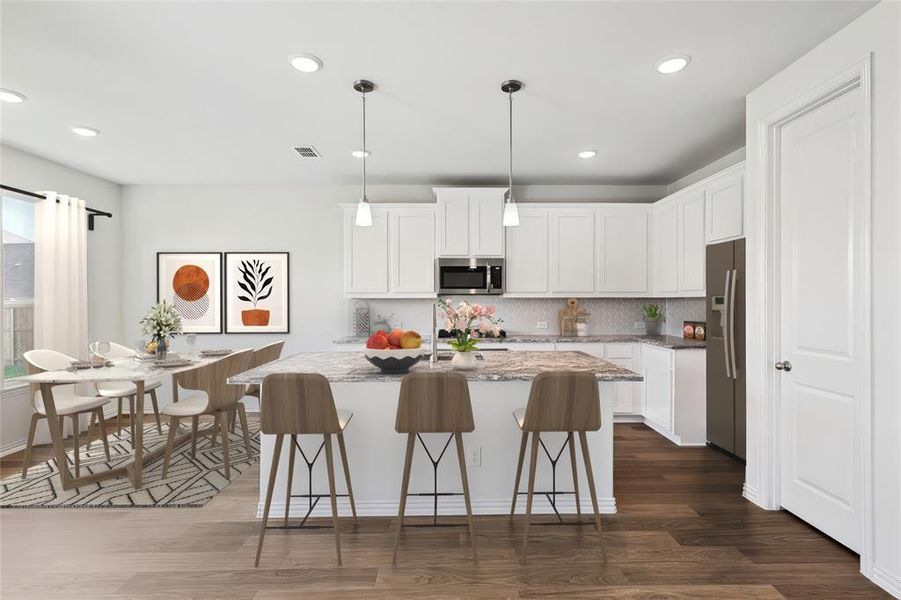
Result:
[{"x": 191, "y": 482}]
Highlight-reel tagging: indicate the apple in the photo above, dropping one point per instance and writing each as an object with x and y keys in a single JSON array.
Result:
[
  {"x": 410, "y": 340},
  {"x": 377, "y": 341},
  {"x": 395, "y": 336}
]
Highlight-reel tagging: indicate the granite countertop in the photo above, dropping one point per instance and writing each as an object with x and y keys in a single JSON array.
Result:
[
  {"x": 671, "y": 342},
  {"x": 343, "y": 367}
]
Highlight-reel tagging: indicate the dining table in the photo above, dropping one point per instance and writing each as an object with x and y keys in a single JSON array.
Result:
[{"x": 139, "y": 373}]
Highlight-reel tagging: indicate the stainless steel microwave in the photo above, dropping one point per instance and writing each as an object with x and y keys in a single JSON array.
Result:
[{"x": 459, "y": 276}]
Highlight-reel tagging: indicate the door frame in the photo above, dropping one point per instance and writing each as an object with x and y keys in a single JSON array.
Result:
[{"x": 762, "y": 483}]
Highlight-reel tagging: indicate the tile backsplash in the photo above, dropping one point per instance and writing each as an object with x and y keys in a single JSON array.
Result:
[{"x": 522, "y": 315}]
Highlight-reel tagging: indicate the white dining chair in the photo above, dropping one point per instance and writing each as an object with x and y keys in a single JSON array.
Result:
[
  {"x": 68, "y": 404},
  {"x": 126, "y": 390}
]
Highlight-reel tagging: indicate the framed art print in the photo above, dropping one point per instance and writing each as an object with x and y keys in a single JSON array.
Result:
[
  {"x": 192, "y": 282},
  {"x": 256, "y": 292}
]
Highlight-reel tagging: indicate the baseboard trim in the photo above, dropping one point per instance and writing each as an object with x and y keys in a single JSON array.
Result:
[
  {"x": 624, "y": 418},
  {"x": 423, "y": 507},
  {"x": 663, "y": 431},
  {"x": 887, "y": 580}
]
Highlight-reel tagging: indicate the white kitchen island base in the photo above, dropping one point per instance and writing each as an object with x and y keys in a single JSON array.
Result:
[{"x": 376, "y": 456}]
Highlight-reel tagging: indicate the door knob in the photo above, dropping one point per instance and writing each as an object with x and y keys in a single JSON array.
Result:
[{"x": 784, "y": 365}]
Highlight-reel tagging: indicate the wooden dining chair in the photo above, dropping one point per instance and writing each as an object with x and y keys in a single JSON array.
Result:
[
  {"x": 261, "y": 356},
  {"x": 125, "y": 390},
  {"x": 68, "y": 402},
  {"x": 434, "y": 403},
  {"x": 297, "y": 404},
  {"x": 562, "y": 401},
  {"x": 217, "y": 398}
]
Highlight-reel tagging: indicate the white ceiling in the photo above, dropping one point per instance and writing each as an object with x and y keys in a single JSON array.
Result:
[{"x": 196, "y": 92}]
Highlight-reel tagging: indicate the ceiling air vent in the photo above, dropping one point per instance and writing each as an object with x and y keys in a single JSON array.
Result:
[{"x": 307, "y": 152}]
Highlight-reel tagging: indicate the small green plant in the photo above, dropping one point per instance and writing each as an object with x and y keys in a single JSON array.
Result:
[{"x": 652, "y": 312}]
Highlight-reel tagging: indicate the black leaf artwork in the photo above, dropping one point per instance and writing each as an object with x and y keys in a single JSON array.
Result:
[{"x": 256, "y": 285}]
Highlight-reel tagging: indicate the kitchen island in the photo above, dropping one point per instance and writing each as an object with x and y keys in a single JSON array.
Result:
[{"x": 498, "y": 386}]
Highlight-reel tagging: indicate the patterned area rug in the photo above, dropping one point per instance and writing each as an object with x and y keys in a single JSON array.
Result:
[{"x": 191, "y": 482}]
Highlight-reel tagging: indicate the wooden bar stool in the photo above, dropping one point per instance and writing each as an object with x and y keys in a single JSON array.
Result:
[
  {"x": 296, "y": 404},
  {"x": 562, "y": 401},
  {"x": 434, "y": 403}
]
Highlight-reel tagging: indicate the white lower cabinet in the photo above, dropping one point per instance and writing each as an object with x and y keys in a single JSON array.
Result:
[
  {"x": 674, "y": 393},
  {"x": 625, "y": 393}
]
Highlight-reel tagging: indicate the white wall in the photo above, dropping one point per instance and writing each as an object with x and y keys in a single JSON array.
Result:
[
  {"x": 26, "y": 171},
  {"x": 724, "y": 162},
  {"x": 878, "y": 32}
]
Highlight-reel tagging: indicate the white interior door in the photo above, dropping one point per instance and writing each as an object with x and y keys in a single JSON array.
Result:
[{"x": 820, "y": 176}]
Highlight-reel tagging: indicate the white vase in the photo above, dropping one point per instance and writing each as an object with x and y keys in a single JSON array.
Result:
[{"x": 463, "y": 361}]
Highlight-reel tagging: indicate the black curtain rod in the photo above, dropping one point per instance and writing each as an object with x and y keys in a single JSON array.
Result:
[{"x": 92, "y": 212}]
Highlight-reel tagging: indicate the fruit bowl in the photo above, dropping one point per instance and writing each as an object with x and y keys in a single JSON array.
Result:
[{"x": 394, "y": 361}]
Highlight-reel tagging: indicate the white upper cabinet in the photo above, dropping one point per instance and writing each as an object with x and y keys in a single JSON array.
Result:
[
  {"x": 572, "y": 251},
  {"x": 666, "y": 248},
  {"x": 526, "y": 262},
  {"x": 622, "y": 247},
  {"x": 724, "y": 204},
  {"x": 486, "y": 224},
  {"x": 366, "y": 254},
  {"x": 692, "y": 244},
  {"x": 470, "y": 221},
  {"x": 411, "y": 242}
]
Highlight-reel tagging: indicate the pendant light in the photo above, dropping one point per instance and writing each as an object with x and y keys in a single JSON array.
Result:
[
  {"x": 364, "y": 212},
  {"x": 511, "y": 214}
]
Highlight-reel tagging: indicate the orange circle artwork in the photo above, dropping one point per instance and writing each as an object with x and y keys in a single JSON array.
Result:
[{"x": 190, "y": 282}]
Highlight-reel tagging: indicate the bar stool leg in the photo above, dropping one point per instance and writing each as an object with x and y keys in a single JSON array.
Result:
[
  {"x": 408, "y": 460},
  {"x": 330, "y": 463},
  {"x": 223, "y": 422},
  {"x": 572, "y": 460},
  {"x": 102, "y": 423},
  {"x": 350, "y": 489},
  {"x": 242, "y": 412},
  {"x": 536, "y": 436},
  {"x": 273, "y": 471},
  {"x": 292, "y": 449},
  {"x": 586, "y": 458},
  {"x": 458, "y": 441},
  {"x": 522, "y": 455}
]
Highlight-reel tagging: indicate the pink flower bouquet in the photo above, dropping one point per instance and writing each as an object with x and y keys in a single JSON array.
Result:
[{"x": 467, "y": 322}]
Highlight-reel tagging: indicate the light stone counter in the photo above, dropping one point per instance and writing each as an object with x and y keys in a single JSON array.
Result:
[
  {"x": 348, "y": 367},
  {"x": 671, "y": 342}
]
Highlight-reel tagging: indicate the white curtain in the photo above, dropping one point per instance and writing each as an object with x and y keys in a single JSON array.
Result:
[{"x": 61, "y": 275}]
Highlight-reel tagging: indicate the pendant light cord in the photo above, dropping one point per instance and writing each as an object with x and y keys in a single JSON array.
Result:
[
  {"x": 364, "y": 199},
  {"x": 510, "y": 172}
]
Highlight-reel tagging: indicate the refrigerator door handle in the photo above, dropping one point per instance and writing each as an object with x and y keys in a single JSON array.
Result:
[
  {"x": 732, "y": 360},
  {"x": 726, "y": 336}
]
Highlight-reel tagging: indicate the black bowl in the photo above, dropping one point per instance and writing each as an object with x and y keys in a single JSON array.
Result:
[{"x": 400, "y": 362}]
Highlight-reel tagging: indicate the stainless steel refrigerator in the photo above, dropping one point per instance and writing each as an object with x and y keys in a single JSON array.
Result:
[{"x": 726, "y": 418}]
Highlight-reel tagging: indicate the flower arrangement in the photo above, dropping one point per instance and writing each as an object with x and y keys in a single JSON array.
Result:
[
  {"x": 467, "y": 322},
  {"x": 161, "y": 321}
]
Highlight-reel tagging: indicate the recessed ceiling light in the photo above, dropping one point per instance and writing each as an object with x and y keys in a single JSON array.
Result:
[
  {"x": 11, "y": 96},
  {"x": 361, "y": 153},
  {"x": 84, "y": 131},
  {"x": 672, "y": 64},
  {"x": 305, "y": 63},
  {"x": 588, "y": 153}
]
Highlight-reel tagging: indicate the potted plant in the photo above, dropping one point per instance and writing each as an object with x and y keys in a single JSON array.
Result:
[
  {"x": 465, "y": 322},
  {"x": 653, "y": 319},
  {"x": 161, "y": 322},
  {"x": 257, "y": 286}
]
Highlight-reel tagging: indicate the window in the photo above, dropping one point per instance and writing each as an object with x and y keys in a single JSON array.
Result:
[{"x": 18, "y": 283}]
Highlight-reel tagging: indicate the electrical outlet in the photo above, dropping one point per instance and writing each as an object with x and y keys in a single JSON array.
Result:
[
  {"x": 475, "y": 456},
  {"x": 541, "y": 325}
]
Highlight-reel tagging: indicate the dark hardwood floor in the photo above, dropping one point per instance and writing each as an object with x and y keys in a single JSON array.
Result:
[{"x": 682, "y": 531}]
